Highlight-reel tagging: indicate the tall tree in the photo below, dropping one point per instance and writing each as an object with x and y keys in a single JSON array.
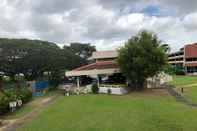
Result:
[
  {"x": 30, "y": 57},
  {"x": 82, "y": 50},
  {"x": 141, "y": 57},
  {"x": 1, "y": 84}
]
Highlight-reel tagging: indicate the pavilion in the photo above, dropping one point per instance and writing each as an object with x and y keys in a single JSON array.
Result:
[{"x": 103, "y": 64}]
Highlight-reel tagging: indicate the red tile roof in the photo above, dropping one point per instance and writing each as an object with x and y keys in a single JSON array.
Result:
[
  {"x": 191, "y": 51},
  {"x": 98, "y": 65}
]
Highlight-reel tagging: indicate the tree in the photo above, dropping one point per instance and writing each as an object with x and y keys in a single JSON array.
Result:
[
  {"x": 166, "y": 48},
  {"x": 141, "y": 57},
  {"x": 82, "y": 51},
  {"x": 30, "y": 57},
  {"x": 1, "y": 84}
]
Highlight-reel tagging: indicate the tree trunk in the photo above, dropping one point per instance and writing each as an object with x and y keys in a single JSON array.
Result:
[
  {"x": 1, "y": 84},
  {"x": 17, "y": 85}
]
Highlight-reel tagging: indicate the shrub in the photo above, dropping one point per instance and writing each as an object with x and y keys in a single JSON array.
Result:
[
  {"x": 10, "y": 95},
  {"x": 95, "y": 88},
  {"x": 4, "y": 103},
  {"x": 25, "y": 95}
]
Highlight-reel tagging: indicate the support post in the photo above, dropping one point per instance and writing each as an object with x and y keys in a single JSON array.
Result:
[
  {"x": 98, "y": 83},
  {"x": 78, "y": 85}
]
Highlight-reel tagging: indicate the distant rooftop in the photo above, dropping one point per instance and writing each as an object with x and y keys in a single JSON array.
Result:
[{"x": 104, "y": 54}]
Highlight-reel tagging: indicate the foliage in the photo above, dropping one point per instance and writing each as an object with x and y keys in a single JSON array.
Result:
[
  {"x": 166, "y": 48},
  {"x": 11, "y": 95},
  {"x": 80, "y": 53},
  {"x": 173, "y": 70},
  {"x": 1, "y": 84},
  {"x": 4, "y": 103},
  {"x": 141, "y": 57},
  {"x": 95, "y": 88},
  {"x": 25, "y": 95},
  {"x": 34, "y": 57},
  {"x": 179, "y": 70},
  {"x": 55, "y": 79}
]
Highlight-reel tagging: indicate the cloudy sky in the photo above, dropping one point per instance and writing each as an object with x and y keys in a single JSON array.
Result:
[{"x": 104, "y": 23}]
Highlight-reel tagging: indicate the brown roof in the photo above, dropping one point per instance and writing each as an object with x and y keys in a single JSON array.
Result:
[
  {"x": 191, "y": 51},
  {"x": 98, "y": 65}
]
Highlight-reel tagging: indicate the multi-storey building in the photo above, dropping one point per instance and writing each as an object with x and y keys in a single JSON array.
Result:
[{"x": 185, "y": 58}]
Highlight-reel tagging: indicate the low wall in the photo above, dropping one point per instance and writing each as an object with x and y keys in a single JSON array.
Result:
[{"x": 115, "y": 91}]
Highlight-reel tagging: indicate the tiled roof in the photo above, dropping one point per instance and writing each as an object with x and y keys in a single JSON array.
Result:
[
  {"x": 104, "y": 54},
  {"x": 98, "y": 65},
  {"x": 191, "y": 50}
]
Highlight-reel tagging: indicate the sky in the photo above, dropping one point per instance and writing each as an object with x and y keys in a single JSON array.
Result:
[{"x": 107, "y": 24}]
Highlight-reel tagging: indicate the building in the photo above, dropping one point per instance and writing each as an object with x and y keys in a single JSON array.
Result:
[
  {"x": 105, "y": 69},
  {"x": 185, "y": 58},
  {"x": 103, "y": 63}
]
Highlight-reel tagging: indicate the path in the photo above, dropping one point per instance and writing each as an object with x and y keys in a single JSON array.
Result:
[{"x": 12, "y": 125}]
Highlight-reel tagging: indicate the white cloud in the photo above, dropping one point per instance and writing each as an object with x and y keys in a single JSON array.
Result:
[{"x": 105, "y": 23}]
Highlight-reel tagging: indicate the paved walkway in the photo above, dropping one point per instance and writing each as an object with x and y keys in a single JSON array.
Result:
[{"x": 12, "y": 125}]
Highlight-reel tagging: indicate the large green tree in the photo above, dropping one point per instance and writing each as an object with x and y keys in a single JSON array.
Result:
[
  {"x": 141, "y": 57},
  {"x": 34, "y": 57},
  {"x": 30, "y": 57},
  {"x": 81, "y": 51}
]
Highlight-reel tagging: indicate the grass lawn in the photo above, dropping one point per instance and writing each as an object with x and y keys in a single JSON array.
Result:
[
  {"x": 133, "y": 112},
  {"x": 189, "y": 85},
  {"x": 183, "y": 80}
]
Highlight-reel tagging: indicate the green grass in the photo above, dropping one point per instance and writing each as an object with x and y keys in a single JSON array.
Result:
[
  {"x": 183, "y": 80},
  {"x": 191, "y": 93},
  {"x": 189, "y": 85},
  {"x": 133, "y": 112}
]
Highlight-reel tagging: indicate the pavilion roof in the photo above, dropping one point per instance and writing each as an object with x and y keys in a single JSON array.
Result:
[{"x": 98, "y": 65}]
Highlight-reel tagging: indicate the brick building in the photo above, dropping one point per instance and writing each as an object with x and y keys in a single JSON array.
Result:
[{"x": 185, "y": 58}]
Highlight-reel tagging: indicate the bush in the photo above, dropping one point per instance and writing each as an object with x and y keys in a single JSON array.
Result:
[
  {"x": 10, "y": 95},
  {"x": 4, "y": 104},
  {"x": 25, "y": 95},
  {"x": 95, "y": 88},
  {"x": 173, "y": 70}
]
